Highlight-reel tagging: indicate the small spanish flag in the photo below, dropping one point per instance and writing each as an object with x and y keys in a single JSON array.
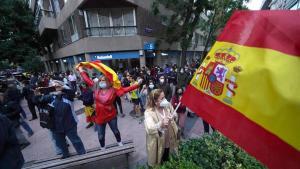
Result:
[
  {"x": 105, "y": 70},
  {"x": 248, "y": 86}
]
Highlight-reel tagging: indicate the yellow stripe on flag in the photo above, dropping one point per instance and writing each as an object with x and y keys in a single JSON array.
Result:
[{"x": 267, "y": 91}]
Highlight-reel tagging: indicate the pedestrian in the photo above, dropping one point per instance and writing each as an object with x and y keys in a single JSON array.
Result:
[
  {"x": 143, "y": 96},
  {"x": 64, "y": 123},
  {"x": 165, "y": 86},
  {"x": 104, "y": 95},
  {"x": 118, "y": 105},
  {"x": 72, "y": 79},
  {"x": 182, "y": 78},
  {"x": 88, "y": 102},
  {"x": 181, "y": 111},
  {"x": 151, "y": 86},
  {"x": 161, "y": 128},
  {"x": 134, "y": 97},
  {"x": 10, "y": 152},
  {"x": 172, "y": 80},
  {"x": 28, "y": 93},
  {"x": 12, "y": 112}
]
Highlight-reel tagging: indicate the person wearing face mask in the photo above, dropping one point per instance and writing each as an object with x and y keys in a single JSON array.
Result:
[
  {"x": 172, "y": 79},
  {"x": 161, "y": 128},
  {"x": 182, "y": 78},
  {"x": 104, "y": 96},
  {"x": 165, "y": 87},
  {"x": 181, "y": 110},
  {"x": 151, "y": 86}
]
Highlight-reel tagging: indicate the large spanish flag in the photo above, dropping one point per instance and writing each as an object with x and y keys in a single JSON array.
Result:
[{"x": 248, "y": 86}]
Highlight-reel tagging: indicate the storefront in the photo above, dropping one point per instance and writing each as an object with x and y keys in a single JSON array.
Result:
[
  {"x": 169, "y": 57},
  {"x": 69, "y": 63},
  {"x": 118, "y": 60}
]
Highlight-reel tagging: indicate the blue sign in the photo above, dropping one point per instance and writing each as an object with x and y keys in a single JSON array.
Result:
[
  {"x": 149, "y": 46},
  {"x": 114, "y": 55}
]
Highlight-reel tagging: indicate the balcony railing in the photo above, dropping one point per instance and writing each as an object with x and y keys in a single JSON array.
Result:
[
  {"x": 111, "y": 31},
  {"x": 42, "y": 12}
]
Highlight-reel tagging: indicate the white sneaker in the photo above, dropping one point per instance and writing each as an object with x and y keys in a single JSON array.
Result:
[
  {"x": 120, "y": 143},
  {"x": 102, "y": 148}
]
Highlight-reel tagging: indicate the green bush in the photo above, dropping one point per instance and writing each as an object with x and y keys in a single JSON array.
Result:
[
  {"x": 212, "y": 151},
  {"x": 216, "y": 151}
]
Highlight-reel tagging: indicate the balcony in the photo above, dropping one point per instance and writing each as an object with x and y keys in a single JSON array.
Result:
[
  {"x": 45, "y": 19},
  {"x": 111, "y": 31}
]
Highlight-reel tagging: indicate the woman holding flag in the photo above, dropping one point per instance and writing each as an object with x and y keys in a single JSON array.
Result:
[
  {"x": 105, "y": 92},
  {"x": 161, "y": 128}
]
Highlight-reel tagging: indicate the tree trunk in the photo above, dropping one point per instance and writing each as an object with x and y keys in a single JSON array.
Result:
[
  {"x": 183, "y": 57},
  {"x": 208, "y": 37}
]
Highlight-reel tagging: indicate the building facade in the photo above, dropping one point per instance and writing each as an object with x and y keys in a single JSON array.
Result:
[
  {"x": 120, "y": 33},
  {"x": 281, "y": 4}
]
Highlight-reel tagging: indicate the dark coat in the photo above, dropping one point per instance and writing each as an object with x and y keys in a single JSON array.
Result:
[
  {"x": 167, "y": 90},
  {"x": 10, "y": 151},
  {"x": 63, "y": 117},
  {"x": 182, "y": 79},
  {"x": 62, "y": 114},
  {"x": 87, "y": 97}
]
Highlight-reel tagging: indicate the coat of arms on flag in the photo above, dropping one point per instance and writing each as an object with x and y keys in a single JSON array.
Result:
[{"x": 218, "y": 74}]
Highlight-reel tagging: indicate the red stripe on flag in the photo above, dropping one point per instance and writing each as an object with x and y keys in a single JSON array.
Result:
[
  {"x": 278, "y": 30},
  {"x": 106, "y": 73},
  {"x": 257, "y": 141}
]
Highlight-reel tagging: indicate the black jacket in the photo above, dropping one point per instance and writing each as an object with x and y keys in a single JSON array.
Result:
[
  {"x": 10, "y": 151},
  {"x": 28, "y": 93},
  {"x": 87, "y": 97}
]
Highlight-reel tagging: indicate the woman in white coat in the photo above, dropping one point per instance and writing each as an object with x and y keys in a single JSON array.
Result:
[{"x": 161, "y": 128}]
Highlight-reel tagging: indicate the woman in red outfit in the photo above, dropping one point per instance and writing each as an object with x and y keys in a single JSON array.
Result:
[{"x": 104, "y": 96}]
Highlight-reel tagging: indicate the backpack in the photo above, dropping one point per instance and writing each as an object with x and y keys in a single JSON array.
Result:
[{"x": 47, "y": 116}]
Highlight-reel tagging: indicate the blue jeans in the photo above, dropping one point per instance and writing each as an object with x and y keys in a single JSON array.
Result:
[
  {"x": 61, "y": 142},
  {"x": 113, "y": 126},
  {"x": 25, "y": 126},
  {"x": 23, "y": 112}
]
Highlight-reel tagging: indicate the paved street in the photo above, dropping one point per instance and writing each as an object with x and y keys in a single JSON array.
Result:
[{"x": 42, "y": 147}]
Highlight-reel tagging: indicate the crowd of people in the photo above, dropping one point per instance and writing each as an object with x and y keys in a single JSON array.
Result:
[{"x": 153, "y": 91}]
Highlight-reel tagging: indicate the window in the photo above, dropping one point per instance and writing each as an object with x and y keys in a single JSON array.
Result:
[
  {"x": 63, "y": 35},
  {"x": 73, "y": 29},
  {"x": 93, "y": 23},
  {"x": 104, "y": 21},
  {"x": 111, "y": 22},
  {"x": 129, "y": 20},
  {"x": 117, "y": 19}
]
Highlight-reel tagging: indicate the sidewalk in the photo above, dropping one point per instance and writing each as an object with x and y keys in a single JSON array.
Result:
[{"x": 42, "y": 147}]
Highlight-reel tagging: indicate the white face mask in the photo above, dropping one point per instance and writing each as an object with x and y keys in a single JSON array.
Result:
[
  {"x": 162, "y": 80},
  {"x": 151, "y": 86},
  {"x": 102, "y": 85},
  {"x": 164, "y": 103}
]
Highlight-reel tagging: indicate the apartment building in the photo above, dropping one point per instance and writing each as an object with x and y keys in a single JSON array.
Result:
[{"x": 120, "y": 33}]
